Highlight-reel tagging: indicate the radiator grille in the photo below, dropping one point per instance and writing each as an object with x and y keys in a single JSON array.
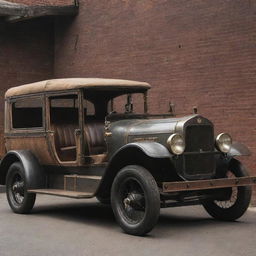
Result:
[{"x": 199, "y": 139}]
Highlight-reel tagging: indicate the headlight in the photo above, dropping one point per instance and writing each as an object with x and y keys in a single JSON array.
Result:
[
  {"x": 224, "y": 142},
  {"x": 176, "y": 144}
]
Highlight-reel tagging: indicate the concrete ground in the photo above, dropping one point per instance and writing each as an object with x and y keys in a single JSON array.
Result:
[{"x": 60, "y": 226}]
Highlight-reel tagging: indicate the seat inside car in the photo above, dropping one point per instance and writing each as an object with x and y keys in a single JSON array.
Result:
[
  {"x": 65, "y": 142},
  {"x": 64, "y": 122},
  {"x": 64, "y": 125},
  {"x": 94, "y": 136}
]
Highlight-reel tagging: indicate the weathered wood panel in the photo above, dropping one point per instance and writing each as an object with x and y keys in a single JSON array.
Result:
[{"x": 36, "y": 144}]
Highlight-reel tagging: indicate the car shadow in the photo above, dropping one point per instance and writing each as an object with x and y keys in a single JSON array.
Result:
[
  {"x": 84, "y": 213},
  {"x": 94, "y": 213}
]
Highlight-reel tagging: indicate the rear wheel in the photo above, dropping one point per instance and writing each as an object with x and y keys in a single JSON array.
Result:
[
  {"x": 135, "y": 200},
  {"x": 238, "y": 200},
  {"x": 18, "y": 198}
]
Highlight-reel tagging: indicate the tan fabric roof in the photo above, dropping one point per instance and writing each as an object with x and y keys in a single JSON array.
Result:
[{"x": 75, "y": 83}]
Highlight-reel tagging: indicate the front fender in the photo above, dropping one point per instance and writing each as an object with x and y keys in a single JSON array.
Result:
[
  {"x": 141, "y": 153},
  {"x": 239, "y": 149},
  {"x": 34, "y": 174},
  {"x": 224, "y": 162},
  {"x": 151, "y": 149}
]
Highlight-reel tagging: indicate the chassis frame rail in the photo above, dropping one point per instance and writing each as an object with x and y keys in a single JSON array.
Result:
[{"x": 208, "y": 184}]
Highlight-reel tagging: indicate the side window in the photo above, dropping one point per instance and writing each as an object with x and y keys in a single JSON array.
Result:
[
  {"x": 64, "y": 109},
  {"x": 27, "y": 113}
]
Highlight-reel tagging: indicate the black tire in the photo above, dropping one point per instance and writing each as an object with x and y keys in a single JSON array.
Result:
[
  {"x": 135, "y": 200},
  {"x": 18, "y": 198},
  {"x": 104, "y": 200},
  {"x": 241, "y": 201}
]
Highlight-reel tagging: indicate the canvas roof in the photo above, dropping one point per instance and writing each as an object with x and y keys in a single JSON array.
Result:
[{"x": 76, "y": 83}]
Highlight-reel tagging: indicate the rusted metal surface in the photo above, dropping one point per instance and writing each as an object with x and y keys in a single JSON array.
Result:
[{"x": 207, "y": 184}]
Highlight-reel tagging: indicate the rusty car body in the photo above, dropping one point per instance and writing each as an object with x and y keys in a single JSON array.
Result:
[{"x": 63, "y": 137}]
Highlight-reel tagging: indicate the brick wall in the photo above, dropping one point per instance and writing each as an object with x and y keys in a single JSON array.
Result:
[
  {"x": 26, "y": 55},
  {"x": 199, "y": 52}
]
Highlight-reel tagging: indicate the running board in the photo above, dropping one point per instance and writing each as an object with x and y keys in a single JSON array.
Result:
[
  {"x": 82, "y": 183},
  {"x": 208, "y": 184},
  {"x": 63, "y": 193},
  {"x": 73, "y": 186}
]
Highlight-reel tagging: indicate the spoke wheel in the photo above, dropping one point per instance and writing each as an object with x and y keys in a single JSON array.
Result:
[
  {"x": 135, "y": 200},
  {"x": 226, "y": 204},
  {"x": 17, "y": 187},
  {"x": 238, "y": 198},
  {"x": 19, "y": 199},
  {"x": 132, "y": 200}
]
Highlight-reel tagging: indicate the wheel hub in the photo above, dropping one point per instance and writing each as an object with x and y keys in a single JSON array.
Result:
[
  {"x": 18, "y": 187},
  {"x": 134, "y": 200},
  {"x": 18, "y": 191},
  {"x": 127, "y": 202}
]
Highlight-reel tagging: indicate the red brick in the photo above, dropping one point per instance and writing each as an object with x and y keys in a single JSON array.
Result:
[{"x": 199, "y": 52}]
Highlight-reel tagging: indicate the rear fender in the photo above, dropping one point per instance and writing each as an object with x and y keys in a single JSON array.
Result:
[{"x": 34, "y": 174}]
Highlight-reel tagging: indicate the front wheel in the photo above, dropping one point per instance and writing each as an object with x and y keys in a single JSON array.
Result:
[
  {"x": 239, "y": 197},
  {"x": 135, "y": 200},
  {"x": 18, "y": 198}
]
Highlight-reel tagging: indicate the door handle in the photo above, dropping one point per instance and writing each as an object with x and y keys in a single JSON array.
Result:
[{"x": 77, "y": 132}]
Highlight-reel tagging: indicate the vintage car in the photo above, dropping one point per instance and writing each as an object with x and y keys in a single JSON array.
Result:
[{"x": 78, "y": 138}]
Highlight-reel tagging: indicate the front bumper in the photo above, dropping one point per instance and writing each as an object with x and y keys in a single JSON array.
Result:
[{"x": 178, "y": 186}]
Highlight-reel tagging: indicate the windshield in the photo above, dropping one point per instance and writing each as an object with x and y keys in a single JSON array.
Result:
[
  {"x": 128, "y": 103},
  {"x": 109, "y": 102}
]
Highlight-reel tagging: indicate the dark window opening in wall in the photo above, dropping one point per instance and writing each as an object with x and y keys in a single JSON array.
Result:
[{"x": 27, "y": 113}]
